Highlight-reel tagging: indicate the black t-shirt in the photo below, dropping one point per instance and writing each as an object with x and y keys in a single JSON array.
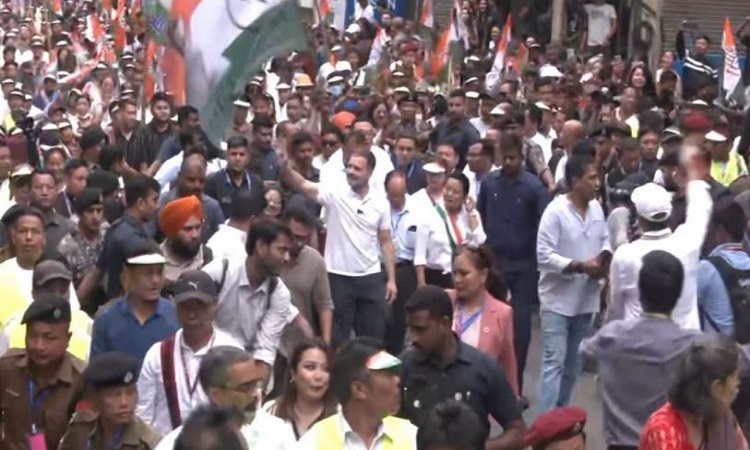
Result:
[{"x": 473, "y": 377}]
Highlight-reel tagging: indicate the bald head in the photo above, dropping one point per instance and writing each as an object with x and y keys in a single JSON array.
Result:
[
  {"x": 572, "y": 132},
  {"x": 193, "y": 162},
  {"x": 192, "y": 176}
]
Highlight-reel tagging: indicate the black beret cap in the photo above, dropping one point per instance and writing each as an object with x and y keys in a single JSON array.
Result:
[
  {"x": 111, "y": 369},
  {"x": 48, "y": 309},
  {"x": 88, "y": 198}
]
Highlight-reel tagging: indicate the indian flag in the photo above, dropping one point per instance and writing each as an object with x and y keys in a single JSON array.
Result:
[
  {"x": 426, "y": 17},
  {"x": 56, "y": 7},
  {"x": 732, "y": 76},
  {"x": 224, "y": 44}
]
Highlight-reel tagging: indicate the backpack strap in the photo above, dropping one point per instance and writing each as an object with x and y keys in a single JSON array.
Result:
[
  {"x": 273, "y": 281},
  {"x": 729, "y": 275},
  {"x": 224, "y": 267},
  {"x": 167, "y": 375}
]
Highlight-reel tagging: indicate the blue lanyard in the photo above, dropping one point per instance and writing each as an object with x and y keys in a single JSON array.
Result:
[
  {"x": 36, "y": 402},
  {"x": 468, "y": 322},
  {"x": 112, "y": 442},
  {"x": 394, "y": 225}
]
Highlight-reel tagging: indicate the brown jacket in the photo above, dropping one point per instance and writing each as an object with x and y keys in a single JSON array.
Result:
[
  {"x": 84, "y": 429},
  {"x": 51, "y": 417}
]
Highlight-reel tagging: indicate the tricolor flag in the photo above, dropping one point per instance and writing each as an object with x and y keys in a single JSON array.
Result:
[
  {"x": 324, "y": 12},
  {"x": 224, "y": 44},
  {"x": 56, "y": 8},
  {"x": 440, "y": 57},
  {"x": 459, "y": 33},
  {"x": 501, "y": 49},
  {"x": 732, "y": 76},
  {"x": 119, "y": 26},
  {"x": 94, "y": 29},
  {"x": 378, "y": 44},
  {"x": 427, "y": 18}
]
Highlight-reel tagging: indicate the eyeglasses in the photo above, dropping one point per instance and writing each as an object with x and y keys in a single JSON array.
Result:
[{"x": 246, "y": 388}]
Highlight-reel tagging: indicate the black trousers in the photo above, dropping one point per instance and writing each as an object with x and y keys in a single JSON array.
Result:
[
  {"x": 395, "y": 332},
  {"x": 436, "y": 277},
  {"x": 359, "y": 305}
]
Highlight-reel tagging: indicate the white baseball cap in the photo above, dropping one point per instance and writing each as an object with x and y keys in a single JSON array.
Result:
[{"x": 652, "y": 202}]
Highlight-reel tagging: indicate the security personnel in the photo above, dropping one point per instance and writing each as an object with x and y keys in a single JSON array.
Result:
[
  {"x": 52, "y": 278},
  {"x": 404, "y": 224},
  {"x": 38, "y": 384},
  {"x": 111, "y": 380}
]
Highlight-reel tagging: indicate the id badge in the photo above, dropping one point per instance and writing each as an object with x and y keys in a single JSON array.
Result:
[{"x": 37, "y": 441}]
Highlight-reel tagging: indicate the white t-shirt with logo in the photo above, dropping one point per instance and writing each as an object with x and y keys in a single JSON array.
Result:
[{"x": 600, "y": 17}]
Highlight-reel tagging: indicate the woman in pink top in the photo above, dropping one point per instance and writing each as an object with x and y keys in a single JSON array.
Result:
[
  {"x": 698, "y": 415},
  {"x": 481, "y": 320}
]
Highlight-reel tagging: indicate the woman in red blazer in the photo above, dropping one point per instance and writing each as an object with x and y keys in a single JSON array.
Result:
[{"x": 479, "y": 319}]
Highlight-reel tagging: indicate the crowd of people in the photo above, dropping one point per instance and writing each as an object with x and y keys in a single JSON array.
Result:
[{"x": 359, "y": 262}]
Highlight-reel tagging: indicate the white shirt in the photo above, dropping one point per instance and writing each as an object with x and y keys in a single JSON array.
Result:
[
  {"x": 227, "y": 241},
  {"x": 560, "y": 169},
  {"x": 334, "y": 171},
  {"x": 265, "y": 433},
  {"x": 422, "y": 202},
  {"x": 367, "y": 12},
  {"x": 545, "y": 142},
  {"x": 169, "y": 171},
  {"x": 473, "y": 185},
  {"x": 152, "y": 405},
  {"x": 433, "y": 247},
  {"x": 353, "y": 223},
  {"x": 481, "y": 126},
  {"x": 24, "y": 278},
  {"x": 564, "y": 236},
  {"x": 352, "y": 441},
  {"x": 248, "y": 313},
  {"x": 685, "y": 243},
  {"x": 600, "y": 17}
]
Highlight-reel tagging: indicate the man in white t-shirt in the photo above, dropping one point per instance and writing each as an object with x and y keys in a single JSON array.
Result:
[
  {"x": 602, "y": 25},
  {"x": 358, "y": 224}
]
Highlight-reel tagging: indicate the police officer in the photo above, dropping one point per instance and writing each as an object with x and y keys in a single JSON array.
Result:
[
  {"x": 39, "y": 383},
  {"x": 111, "y": 381}
]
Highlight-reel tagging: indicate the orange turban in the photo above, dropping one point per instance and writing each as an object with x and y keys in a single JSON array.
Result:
[
  {"x": 343, "y": 119},
  {"x": 176, "y": 213}
]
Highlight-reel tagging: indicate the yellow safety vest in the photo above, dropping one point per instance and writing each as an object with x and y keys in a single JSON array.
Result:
[
  {"x": 80, "y": 334},
  {"x": 400, "y": 434},
  {"x": 734, "y": 168}
]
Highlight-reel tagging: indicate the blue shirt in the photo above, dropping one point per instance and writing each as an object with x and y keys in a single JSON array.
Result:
[
  {"x": 713, "y": 300},
  {"x": 511, "y": 210},
  {"x": 404, "y": 232},
  {"x": 117, "y": 329}
]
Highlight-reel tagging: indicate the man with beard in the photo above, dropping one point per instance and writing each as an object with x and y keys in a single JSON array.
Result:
[
  {"x": 159, "y": 129},
  {"x": 181, "y": 221},
  {"x": 232, "y": 379},
  {"x": 191, "y": 180},
  {"x": 254, "y": 304},
  {"x": 457, "y": 131}
]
